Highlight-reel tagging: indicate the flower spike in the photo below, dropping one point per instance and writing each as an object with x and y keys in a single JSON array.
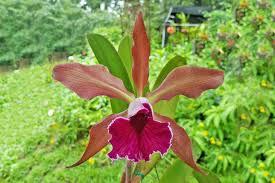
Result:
[
  {"x": 91, "y": 81},
  {"x": 140, "y": 53}
]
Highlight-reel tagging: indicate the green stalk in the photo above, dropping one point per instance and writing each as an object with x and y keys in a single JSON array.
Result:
[
  {"x": 143, "y": 168},
  {"x": 128, "y": 171}
]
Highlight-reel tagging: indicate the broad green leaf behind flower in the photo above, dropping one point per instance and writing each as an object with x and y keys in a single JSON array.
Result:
[
  {"x": 168, "y": 108},
  {"x": 181, "y": 173},
  {"x": 171, "y": 65},
  {"x": 125, "y": 53},
  {"x": 107, "y": 55}
]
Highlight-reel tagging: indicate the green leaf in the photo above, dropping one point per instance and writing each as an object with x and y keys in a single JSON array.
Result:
[
  {"x": 125, "y": 53},
  {"x": 217, "y": 121},
  {"x": 178, "y": 173},
  {"x": 197, "y": 151},
  {"x": 107, "y": 55},
  {"x": 210, "y": 177},
  {"x": 146, "y": 89},
  {"x": 168, "y": 108},
  {"x": 118, "y": 105},
  {"x": 172, "y": 64}
]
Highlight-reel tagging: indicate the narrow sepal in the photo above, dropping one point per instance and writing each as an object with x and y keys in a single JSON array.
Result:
[
  {"x": 181, "y": 143},
  {"x": 99, "y": 137},
  {"x": 141, "y": 53}
]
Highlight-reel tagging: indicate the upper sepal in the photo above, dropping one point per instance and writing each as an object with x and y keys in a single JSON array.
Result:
[
  {"x": 91, "y": 81},
  {"x": 140, "y": 53},
  {"x": 187, "y": 81}
]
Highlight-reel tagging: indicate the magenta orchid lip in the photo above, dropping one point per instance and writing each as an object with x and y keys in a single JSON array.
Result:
[
  {"x": 138, "y": 132},
  {"x": 138, "y": 136}
]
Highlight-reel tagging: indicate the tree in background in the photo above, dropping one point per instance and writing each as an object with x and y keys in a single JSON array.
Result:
[{"x": 34, "y": 30}]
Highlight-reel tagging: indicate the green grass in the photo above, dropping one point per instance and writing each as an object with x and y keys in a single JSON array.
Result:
[{"x": 26, "y": 153}]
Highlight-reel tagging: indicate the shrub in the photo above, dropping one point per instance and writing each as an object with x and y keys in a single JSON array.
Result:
[
  {"x": 234, "y": 126},
  {"x": 34, "y": 30}
]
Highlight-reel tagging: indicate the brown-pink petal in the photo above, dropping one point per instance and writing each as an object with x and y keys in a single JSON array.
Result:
[
  {"x": 141, "y": 53},
  {"x": 181, "y": 143},
  {"x": 91, "y": 81},
  {"x": 188, "y": 81},
  {"x": 99, "y": 138}
]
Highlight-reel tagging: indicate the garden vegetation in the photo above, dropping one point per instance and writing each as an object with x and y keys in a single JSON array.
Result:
[{"x": 45, "y": 127}]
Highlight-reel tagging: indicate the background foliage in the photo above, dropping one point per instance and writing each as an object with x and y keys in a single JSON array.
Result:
[
  {"x": 234, "y": 125},
  {"x": 45, "y": 127},
  {"x": 35, "y": 30}
]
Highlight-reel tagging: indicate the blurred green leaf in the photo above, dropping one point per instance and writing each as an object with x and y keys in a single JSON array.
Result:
[
  {"x": 197, "y": 151},
  {"x": 168, "y": 108},
  {"x": 108, "y": 56},
  {"x": 178, "y": 172},
  {"x": 125, "y": 53},
  {"x": 118, "y": 105},
  {"x": 210, "y": 178},
  {"x": 172, "y": 64}
]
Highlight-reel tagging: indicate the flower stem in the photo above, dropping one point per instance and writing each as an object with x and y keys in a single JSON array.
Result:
[
  {"x": 143, "y": 168},
  {"x": 157, "y": 173},
  {"x": 128, "y": 171}
]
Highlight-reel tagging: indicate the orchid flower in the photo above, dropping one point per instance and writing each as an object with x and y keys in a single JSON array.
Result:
[{"x": 138, "y": 132}]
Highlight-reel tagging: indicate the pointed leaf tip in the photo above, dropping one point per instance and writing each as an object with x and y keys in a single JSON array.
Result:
[{"x": 140, "y": 53}]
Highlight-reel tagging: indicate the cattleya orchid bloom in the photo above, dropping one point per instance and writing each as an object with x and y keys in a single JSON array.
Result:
[{"x": 138, "y": 132}]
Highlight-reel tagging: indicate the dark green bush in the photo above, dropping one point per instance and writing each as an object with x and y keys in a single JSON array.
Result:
[
  {"x": 31, "y": 31},
  {"x": 234, "y": 125},
  {"x": 74, "y": 116}
]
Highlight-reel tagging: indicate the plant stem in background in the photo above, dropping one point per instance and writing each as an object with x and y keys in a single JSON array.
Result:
[
  {"x": 143, "y": 168},
  {"x": 128, "y": 171}
]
